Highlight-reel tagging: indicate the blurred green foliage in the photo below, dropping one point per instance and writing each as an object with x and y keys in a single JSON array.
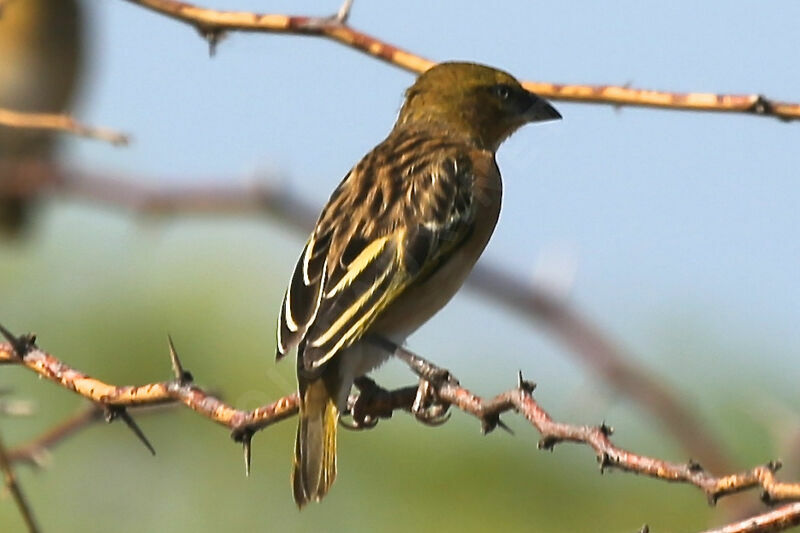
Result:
[{"x": 103, "y": 290}]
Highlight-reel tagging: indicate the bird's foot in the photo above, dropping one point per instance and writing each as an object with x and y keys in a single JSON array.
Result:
[
  {"x": 365, "y": 409},
  {"x": 427, "y": 371},
  {"x": 427, "y": 407}
]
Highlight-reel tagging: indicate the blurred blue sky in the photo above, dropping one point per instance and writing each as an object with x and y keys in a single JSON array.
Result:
[{"x": 678, "y": 221}]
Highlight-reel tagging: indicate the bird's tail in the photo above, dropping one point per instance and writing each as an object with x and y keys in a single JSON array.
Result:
[{"x": 314, "y": 467}]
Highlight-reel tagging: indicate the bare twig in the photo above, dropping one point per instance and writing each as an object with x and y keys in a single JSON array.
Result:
[
  {"x": 213, "y": 23},
  {"x": 34, "y": 451},
  {"x": 779, "y": 519},
  {"x": 752, "y": 104},
  {"x": 15, "y": 490},
  {"x": 585, "y": 340},
  {"x": 260, "y": 198},
  {"x": 59, "y": 122},
  {"x": 446, "y": 391}
]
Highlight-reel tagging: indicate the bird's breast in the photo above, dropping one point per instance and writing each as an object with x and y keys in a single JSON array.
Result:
[{"x": 420, "y": 301}]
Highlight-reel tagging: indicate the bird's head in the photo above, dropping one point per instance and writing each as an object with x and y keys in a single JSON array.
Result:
[{"x": 481, "y": 102}]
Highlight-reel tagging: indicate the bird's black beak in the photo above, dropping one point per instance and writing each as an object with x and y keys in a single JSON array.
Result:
[{"x": 540, "y": 110}]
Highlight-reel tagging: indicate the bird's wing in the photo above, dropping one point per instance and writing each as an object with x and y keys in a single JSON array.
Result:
[{"x": 393, "y": 220}]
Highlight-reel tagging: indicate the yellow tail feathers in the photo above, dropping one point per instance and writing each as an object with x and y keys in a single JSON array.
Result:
[{"x": 314, "y": 467}]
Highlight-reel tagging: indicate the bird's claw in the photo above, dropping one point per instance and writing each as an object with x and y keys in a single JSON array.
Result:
[
  {"x": 434, "y": 416},
  {"x": 360, "y": 418},
  {"x": 427, "y": 408},
  {"x": 358, "y": 424}
]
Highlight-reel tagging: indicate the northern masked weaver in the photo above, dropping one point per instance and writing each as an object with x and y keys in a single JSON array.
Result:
[{"x": 394, "y": 243}]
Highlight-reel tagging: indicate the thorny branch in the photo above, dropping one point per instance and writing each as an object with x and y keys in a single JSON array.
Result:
[
  {"x": 15, "y": 490},
  {"x": 586, "y": 341},
  {"x": 778, "y": 519},
  {"x": 368, "y": 407},
  {"x": 59, "y": 122},
  {"x": 212, "y": 25},
  {"x": 35, "y": 452},
  {"x": 115, "y": 400}
]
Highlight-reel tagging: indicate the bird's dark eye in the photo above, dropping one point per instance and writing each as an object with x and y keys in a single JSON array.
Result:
[{"x": 502, "y": 91}]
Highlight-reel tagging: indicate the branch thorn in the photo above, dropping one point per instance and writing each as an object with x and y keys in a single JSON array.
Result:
[
  {"x": 492, "y": 421},
  {"x": 694, "y": 466},
  {"x": 182, "y": 376},
  {"x": 605, "y": 462},
  {"x": 504, "y": 426},
  {"x": 22, "y": 345},
  {"x": 213, "y": 36},
  {"x": 245, "y": 436},
  {"x": 762, "y": 106},
  {"x": 247, "y": 439},
  {"x": 525, "y": 386},
  {"x": 344, "y": 12},
  {"x": 114, "y": 412}
]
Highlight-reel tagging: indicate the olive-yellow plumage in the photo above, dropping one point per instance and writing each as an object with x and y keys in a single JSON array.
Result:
[
  {"x": 394, "y": 243},
  {"x": 40, "y": 64}
]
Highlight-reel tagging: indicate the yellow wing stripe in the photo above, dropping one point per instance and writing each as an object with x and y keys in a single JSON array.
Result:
[
  {"x": 360, "y": 325},
  {"x": 367, "y": 255},
  {"x": 348, "y": 313}
]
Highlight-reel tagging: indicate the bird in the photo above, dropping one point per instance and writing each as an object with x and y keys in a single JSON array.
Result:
[
  {"x": 41, "y": 59},
  {"x": 394, "y": 243}
]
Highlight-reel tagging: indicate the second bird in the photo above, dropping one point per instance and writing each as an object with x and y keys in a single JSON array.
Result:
[
  {"x": 394, "y": 243},
  {"x": 41, "y": 57}
]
